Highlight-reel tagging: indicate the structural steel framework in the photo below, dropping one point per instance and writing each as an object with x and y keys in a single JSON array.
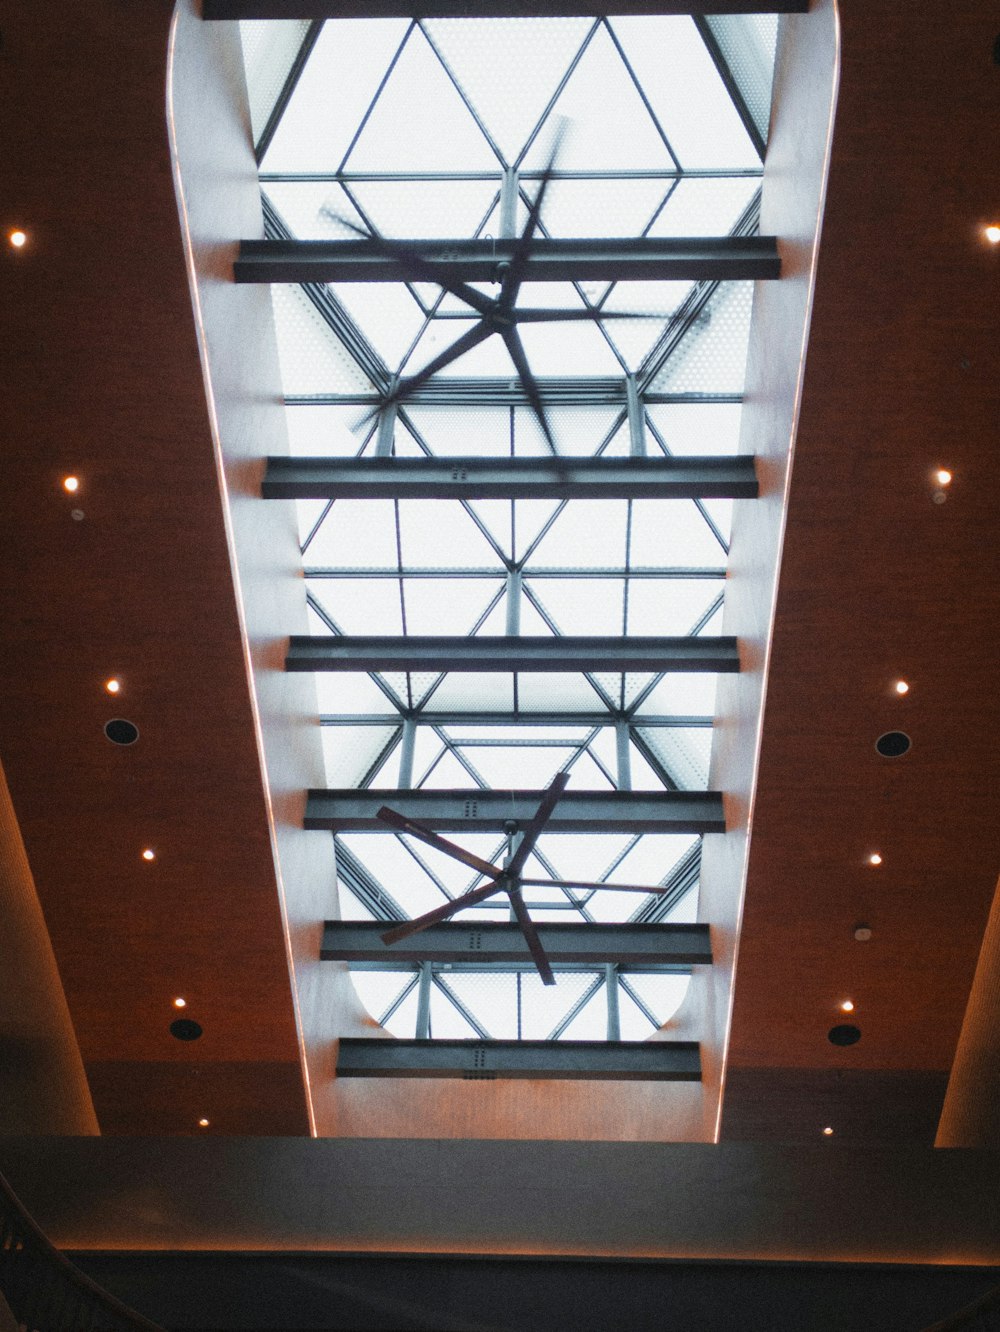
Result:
[{"x": 468, "y": 554}]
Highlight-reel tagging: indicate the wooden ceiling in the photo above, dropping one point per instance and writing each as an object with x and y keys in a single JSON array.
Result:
[{"x": 103, "y": 380}]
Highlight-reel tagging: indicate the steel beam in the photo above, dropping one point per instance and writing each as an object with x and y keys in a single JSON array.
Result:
[
  {"x": 628, "y": 945},
  {"x": 352, "y": 810},
  {"x": 563, "y": 260},
  {"x": 484, "y": 1061},
  {"x": 333, "y": 9},
  {"x": 532, "y": 653},
  {"x": 435, "y": 717},
  {"x": 510, "y": 478}
]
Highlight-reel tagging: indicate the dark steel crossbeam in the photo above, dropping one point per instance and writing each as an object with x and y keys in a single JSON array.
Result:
[
  {"x": 352, "y": 810},
  {"x": 438, "y": 717},
  {"x": 563, "y": 260},
  {"x": 522, "y": 653},
  {"x": 333, "y": 9},
  {"x": 510, "y": 478},
  {"x": 628, "y": 945},
  {"x": 475, "y": 1060}
]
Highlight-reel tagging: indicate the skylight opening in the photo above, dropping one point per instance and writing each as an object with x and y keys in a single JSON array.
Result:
[{"x": 484, "y": 130}]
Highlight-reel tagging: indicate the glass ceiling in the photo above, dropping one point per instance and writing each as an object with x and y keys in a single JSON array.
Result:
[{"x": 445, "y": 129}]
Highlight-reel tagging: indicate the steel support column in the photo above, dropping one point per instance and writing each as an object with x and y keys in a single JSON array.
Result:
[
  {"x": 352, "y": 810},
  {"x": 510, "y": 478},
  {"x": 664, "y": 259},
  {"x": 501, "y": 943},
  {"x": 512, "y": 653},
  {"x": 627, "y": 1061}
]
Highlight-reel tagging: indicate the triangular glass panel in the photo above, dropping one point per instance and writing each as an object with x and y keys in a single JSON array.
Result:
[
  {"x": 439, "y": 209},
  {"x": 341, "y": 77},
  {"x": 439, "y": 606},
  {"x": 419, "y": 122},
  {"x": 713, "y": 354},
  {"x": 662, "y": 995},
  {"x": 609, "y": 207},
  {"x": 322, "y": 432},
  {"x": 683, "y": 754},
  {"x": 491, "y": 998},
  {"x": 346, "y": 694},
  {"x": 583, "y": 605},
  {"x": 607, "y": 127},
  {"x": 440, "y": 534},
  {"x": 486, "y": 358},
  {"x": 477, "y": 432},
  {"x": 591, "y": 1023},
  {"x": 587, "y": 534},
  {"x": 314, "y": 210},
  {"x": 356, "y": 534},
  {"x": 379, "y": 991},
  {"x": 685, "y": 91},
  {"x": 635, "y": 1025},
  {"x": 544, "y": 1006},
  {"x": 671, "y": 533},
  {"x": 508, "y": 68},
  {"x": 697, "y": 428},
  {"x": 312, "y": 357},
  {"x": 351, "y": 751},
  {"x": 385, "y": 313},
  {"x": 705, "y": 206},
  {"x": 447, "y": 1020}
]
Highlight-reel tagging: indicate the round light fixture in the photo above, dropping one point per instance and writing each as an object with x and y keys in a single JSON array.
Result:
[
  {"x": 863, "y": 933},
  {"x": 71, "y": 484},
  {"x": 942, "y": 476},
  {"x": 19, "y": 238},
  {"x": 180, "y": 1003},
  {"x": 149, "y": 854},
  {"x": 203, "y": 1123},
  {"x": 874, "y": 858},
  {"x": 847, "y": 1006},
  {"x": 828, "y": 1131},
  {"x": 901, "y": 687},
  {"x": 992, "y": 233},
  {"x": 113, "y": 686}
]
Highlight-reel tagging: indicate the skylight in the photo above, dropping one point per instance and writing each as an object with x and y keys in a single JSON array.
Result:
[{"x": 453, "y": 129}]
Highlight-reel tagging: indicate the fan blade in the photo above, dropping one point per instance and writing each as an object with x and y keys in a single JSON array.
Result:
[
  {"x": 531, "y": 936},
  {"x": 458, "y": 348},
  {"x": 431, "y": 838},
  {"x": 419, "y": 269},
  {"x": 512, "y": 270},
  {"x": 542, "y": 815},
  {"x": 515, "y": 348},
  {"x": 407, "y": 927},
  {"x": 578, "y": 883},
  {"x": 528, "y": 316}
]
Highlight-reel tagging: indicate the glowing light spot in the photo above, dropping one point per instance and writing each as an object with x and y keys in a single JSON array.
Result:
[
  {"x": 901, "y": 687},
  {"x": 180, "y": 1003},
  {"x": 19, "y": 238},
  {"x": 874, "y": 858},
  {"x": 113, "y": 686},
  {"x": 203, "y": 1123},
  {"x": 992, "y": 234},
  {"x": 828, "y": 1131},
  {"x": 149, "y": 854},
  {"x": 942, "y": 476},
  {"x": 847, "y": 1006},
  {"x": 71, "y": 484}
]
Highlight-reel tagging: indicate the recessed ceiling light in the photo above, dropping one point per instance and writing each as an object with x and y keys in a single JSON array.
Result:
[
  {"x": 874, "y": 858},
  {"x": 180, "y": 1003},
  {"x": 203, "y": 1123},
  {"x": 901, "y": 687},
  {"x": 992, "y": 234},
  {"x": 113, "y": 686},
  {"x": 863, "y": 933},
  {"x": 942, "y": 476},
  {"x": 149, "y": 854},
  {"x": 828, "y": 1131},
  {"x": 19, "y": 238},
  {"x": 847, "y": 1006},
  {"x": 71, "y": 483}
]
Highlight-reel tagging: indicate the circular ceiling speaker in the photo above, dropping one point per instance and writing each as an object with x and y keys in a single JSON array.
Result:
[
  {"x": 121, "y": 732},
  {"x": 844, "y": 1035},
  {"x": 185, "y": 1029},
  {"x": 892, "y": 744}
]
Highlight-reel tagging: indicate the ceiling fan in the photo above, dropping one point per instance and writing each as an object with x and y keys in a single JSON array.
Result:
[
  {"x": 499, "y": 314},
  {"x": 508, "y": 879}
]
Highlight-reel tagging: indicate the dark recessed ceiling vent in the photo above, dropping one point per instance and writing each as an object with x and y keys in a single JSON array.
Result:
[
  {"x": 843, "y": 1035},
  {"x": 121, "y": 732},
  {"x": 892, "y": 744}
]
